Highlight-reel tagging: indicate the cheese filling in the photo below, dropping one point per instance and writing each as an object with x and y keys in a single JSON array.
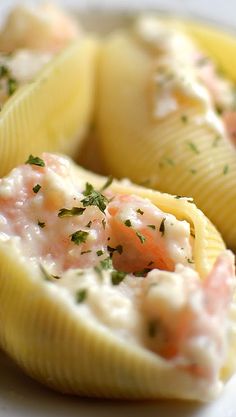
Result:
[{"x": 123, "y": 262}]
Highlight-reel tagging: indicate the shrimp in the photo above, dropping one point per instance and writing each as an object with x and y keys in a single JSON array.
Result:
[
  {"x": 44, "y": 206},
  {"x": 186, "y": 317},
  {"x": 143, "y": 233}
]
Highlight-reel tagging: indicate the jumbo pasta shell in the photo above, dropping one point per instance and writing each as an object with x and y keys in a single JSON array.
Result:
[
  {"x": 190, "y": 159},
  {"x": 53, "y": 111},
  {"x": 43, "y": 331}
]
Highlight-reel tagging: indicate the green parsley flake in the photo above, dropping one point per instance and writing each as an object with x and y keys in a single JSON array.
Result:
[
  {"x": 128, "y": 223},
  {"x": 193, "y": 147},
  {"x": 152, "y": 328},
  {"x": 117, "y": 277},
  {"x": 100, "y": 252},
  {"x": 75, "y": 211},
  {"x": 142, "y": 273},
  {"x": 35, "y": 160},
  {"x": 46, "y": 275},
  {"x": 106, "y": 263},
  {"x": 41, "y": 224},
  {"x": 79, "y": 237},
  {"x": 107, "y": 183},
  {"x": 4, "y": 71},
  {"x": 11, "y": 86},
  {"x": 226, "y": 169},
  {"x": 193, "y": 171},
  {"x": 36, "y": 188},
  {"x": 81, "y": 295},
  {"x": 118, "y": 248},
  {"x": 152, "y": 226},
  {"x": 94, "y": 198},
  {"x": 184, "y": 118},
  {"x": 162, "y": 227},
  {"x": 85, "y": 251},
  {"x": 89, "y": 224},
  {"x": 190, "y": 261},
  {"x": 141, "y": 237},
  {"x": 219, "y": 110},
  {"x": 140, "y": 211}
]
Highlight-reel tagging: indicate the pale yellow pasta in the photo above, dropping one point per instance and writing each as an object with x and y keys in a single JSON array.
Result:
[
  {"x": 41, "y": 329},
  {"x": 53, "y": 111},
  {"x": 184, "y": 151}
]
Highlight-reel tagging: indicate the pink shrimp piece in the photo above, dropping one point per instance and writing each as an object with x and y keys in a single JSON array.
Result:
[
  {"x": 133, "y": 225},
  {"x": 33, "y": 215},
  {"x": 229, "y": 119},
  {"x": 186, "y": 331}
]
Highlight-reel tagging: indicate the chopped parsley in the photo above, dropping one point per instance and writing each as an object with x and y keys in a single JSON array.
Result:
[
  {"x": 41, "y": 224},
  {"x": 128, "y": 223},
  {"x": 79, "y": 237},
  {"x": 141, "y": 237},
  {"x": 81, "y": 295},
  {"x": 190, "y": 261},
  {"x": 226, "y": 169},
  {"x": 46, "y": 275},
  {"x": 98, "y": 270},
  {"x": 94, "y": 198},
  {"x": 140, "y": 211},
  {"x": 193, "y": 171},
  {"x": 142, "y": 273},
  {"x": 100, "y": 252},
  {"x": 178, "y": 197},
  {"x": 107, "y": 183},
  {"x": 85, "y": 251},
  {"x": 118, "y": 248},
  {"x": 219, "y": 110},
  {"x": 75, "y": 211},
  {"x": 184, "y": 118},
  {"x": 36, "y": 188},
  {"x": 106, "y": 263},
  {"x": 152, "y": 328},
  {"x": 152, "y": 226},
  {"x": 89, "y": 224},
  {"x": 117, "y": 277},
  {"x": 162, "y": 227},
  {"x": 193, "y": 148},
  {"x": 35, "y": 160},
  {"x": 11, "y": 86},
  {"x": 4, "y": 71}
]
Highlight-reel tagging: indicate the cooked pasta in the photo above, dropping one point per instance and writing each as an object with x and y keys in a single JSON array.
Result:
[
  {"x": 75, "y": 323},
  {"x": 47, "y": 67},
  {"x": 158, "y": 121}
]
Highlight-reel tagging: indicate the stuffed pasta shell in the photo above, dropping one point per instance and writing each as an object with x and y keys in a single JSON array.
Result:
[
  {"x": 110, "y": 289},
  {"x": 47, "y": 66},
  {"x": 166, "y": 117}
]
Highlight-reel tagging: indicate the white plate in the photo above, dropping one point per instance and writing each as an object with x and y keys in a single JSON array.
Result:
[{"x": 22, "y": 397}]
